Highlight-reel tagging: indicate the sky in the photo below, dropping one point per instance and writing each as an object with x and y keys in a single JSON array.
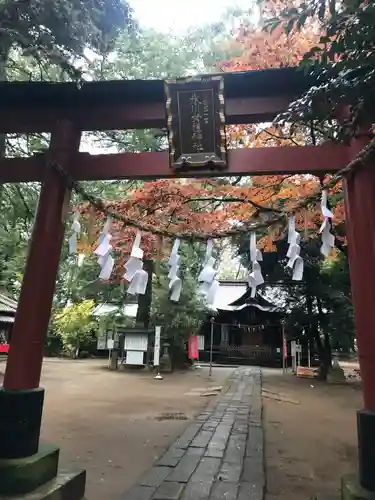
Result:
[{"x": 177, "y": 15}]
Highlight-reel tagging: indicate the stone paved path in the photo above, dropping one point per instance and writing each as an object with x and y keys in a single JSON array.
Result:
[{"x": 219, "y": 456}]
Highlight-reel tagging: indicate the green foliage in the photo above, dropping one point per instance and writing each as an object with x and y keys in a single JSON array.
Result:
[
  {"x": 17, "y": 206},
  {"x": 342, "y": 65},
  {"x": 150, "y": 55},
  {"x": 57, "y": 32},
  {"x": 111, "y": 320},
  {"x": 76, "y": 325},
  {"x": 179, "y": 320},
  {"x": 43, "y": 40},
  {"x": 79, "y": 283},
  {"x": 338, "y": 302},
  {"x": 147, "y": 55}
]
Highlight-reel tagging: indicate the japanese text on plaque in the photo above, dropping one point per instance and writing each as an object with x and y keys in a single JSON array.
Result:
[{"x": 199, "y": 116}]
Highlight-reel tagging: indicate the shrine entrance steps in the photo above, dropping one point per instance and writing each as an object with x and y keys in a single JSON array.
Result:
[{"x": 219, "y": 456}]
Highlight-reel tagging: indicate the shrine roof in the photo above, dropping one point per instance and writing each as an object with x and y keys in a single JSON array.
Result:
[
  {"x": 257, "y": 83},
  {"x": 258, "y": 302},
  {"x": 235, "y": 295},
  {"x": 228, "y": 292},
  {"x": 8, "y": 308}
]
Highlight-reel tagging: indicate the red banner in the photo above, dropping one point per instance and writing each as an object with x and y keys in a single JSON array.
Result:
[
  {"x": 4, "y": 348},
  {"x": 193, "y": 347}
]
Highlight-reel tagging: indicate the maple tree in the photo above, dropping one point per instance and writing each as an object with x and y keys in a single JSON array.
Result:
[
  {"x": 341, "y": 64},
  {"x": 170, "y": 205},
  {"x": 197, "y": 207},
  {"x": 277, "y": 48},
  {"x": 262, "y": 49}
]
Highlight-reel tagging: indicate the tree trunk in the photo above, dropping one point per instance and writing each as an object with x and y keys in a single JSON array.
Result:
[
  {"x": 5, "y": 47},
  {"x": 314, "y": 334},
  {"x": 325, "y": 355},
  {"x": 144, "y": 301}
]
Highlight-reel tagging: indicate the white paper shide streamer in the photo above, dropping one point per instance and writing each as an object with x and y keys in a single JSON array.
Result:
[
  {"x": 81, "y": 258},
  {"x": 208, "y": 284},
  {"x": 134, "y": 272},
  {"x": 295, "y": 261},
  {"x": 175, "y": 282},
  {"x": 104, "y": 252},
  {"x": 76, "y": 231},
  {"x": 328, "y": 239},
  {"x": 255, "y": 277}
]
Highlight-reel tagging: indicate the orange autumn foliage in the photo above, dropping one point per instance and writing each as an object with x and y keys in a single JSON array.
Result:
[
  {"x": 262, "y": 49},
  {"x": 201, "y": 206}
]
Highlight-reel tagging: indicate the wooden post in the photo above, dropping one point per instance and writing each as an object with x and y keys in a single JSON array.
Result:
[
  {"x": 309, "y": 354},
  {"x": 21, "y": 399},
  {"x": 360, "y": 229},
  {"x": 284, "y": 349},
  {"x": 211, "y": 345}
]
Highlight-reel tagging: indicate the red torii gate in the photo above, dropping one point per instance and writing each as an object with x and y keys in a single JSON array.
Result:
[{"x": 66, "y": 111}]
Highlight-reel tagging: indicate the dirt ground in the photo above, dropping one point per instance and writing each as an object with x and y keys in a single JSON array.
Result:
[
  {"x": 115, "y": 424},
  {"x": 310, "y": 441}
]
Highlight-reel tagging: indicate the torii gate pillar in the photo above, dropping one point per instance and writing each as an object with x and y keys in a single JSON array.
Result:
[
  {"x": 21, "y": 398},
  {"x": 360, "y": 223}
]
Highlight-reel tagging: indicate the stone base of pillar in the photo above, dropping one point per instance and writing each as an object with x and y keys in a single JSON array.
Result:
[
  {"x": 366, "y": 449},
  {"x": 28, "y": 469},
  {"x": 22, "y": 475},
  {"x": 37, "y": 477},
  {"x": 352, "y": 490},
  {"x": 66, "y": 486},
  {"x": 363, "y": 486}
]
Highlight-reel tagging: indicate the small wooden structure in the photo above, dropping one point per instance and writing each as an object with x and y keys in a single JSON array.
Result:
[
  {"x": 134, "y": 346},
  {"x": 110, "y": 330},
  {"x": 131, "y": 345},
  {"x": 8, "y": 309},
  {"x": 247, "y": 330}
]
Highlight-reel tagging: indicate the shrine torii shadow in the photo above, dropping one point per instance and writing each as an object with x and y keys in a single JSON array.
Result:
[{"x": 66, "y": 110}]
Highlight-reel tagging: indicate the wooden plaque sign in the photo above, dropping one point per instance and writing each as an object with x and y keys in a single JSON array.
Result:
[{"x": 196, "y": 123}]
